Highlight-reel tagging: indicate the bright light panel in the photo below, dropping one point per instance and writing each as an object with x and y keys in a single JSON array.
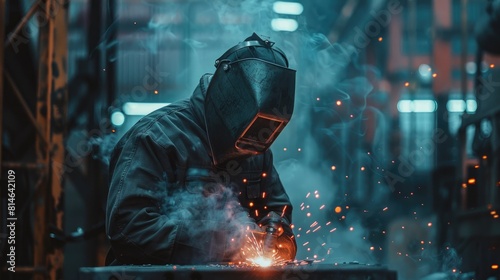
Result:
[
  {"x": 284, "y": 24},
  {"x": 117, "y": 118},
  {"x": 417, "y": 106},
  {"x": 459, "y": 106},
  {"x": 288, "y": 8},
  {"x": 141, "y": 108}
]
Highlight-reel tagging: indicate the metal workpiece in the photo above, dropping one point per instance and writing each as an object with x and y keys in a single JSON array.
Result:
[{"x": 293, "y": 270}]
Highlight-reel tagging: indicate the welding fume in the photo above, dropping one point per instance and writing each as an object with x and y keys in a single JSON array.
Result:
[{"x": 194, "y": 182}]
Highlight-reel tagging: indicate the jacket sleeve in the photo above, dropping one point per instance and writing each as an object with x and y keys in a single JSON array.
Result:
[
  {"x": 278, "y": 207},
  {"x": 138, "y": 232}
]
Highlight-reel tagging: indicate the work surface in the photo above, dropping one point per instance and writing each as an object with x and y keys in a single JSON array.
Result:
[{"x": 309, "y": 271}]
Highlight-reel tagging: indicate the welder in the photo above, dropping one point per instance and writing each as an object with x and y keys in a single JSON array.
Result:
[{"x": 214, "y": 141}]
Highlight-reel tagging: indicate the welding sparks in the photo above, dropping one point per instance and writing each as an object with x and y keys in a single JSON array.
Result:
[{"x": 256, "y": 255}]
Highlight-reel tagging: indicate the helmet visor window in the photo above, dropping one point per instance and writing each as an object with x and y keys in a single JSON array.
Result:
[{"x": 260, "y": 133}]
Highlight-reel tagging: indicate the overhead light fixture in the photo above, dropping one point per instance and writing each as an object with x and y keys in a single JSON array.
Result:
[
  {"x": 141, "y": 108},
  {"x": 288, "y": 8},
  {"x": 459, "y": 106},
  {"x": 417, "y": 106},
  {"x": 117, "y": 118},
  {"x": 284, "y": 24}
]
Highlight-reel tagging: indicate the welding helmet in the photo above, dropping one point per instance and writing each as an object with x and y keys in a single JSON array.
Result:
[{"x": 249, "y": 100}]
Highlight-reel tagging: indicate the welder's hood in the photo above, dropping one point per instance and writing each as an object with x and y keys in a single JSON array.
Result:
[{"x": 249, "y": 100}]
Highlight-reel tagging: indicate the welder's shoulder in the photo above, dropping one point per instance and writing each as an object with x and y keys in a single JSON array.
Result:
[{"x": 161, "y": 125}]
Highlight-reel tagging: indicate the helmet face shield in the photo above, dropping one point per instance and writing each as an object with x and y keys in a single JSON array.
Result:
[
  {"x": 248, "y": 104},
  {"x": 260, "y": 133}
]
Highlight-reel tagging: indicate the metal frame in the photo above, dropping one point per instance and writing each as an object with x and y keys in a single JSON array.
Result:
[{"x": 50, "y": 124}]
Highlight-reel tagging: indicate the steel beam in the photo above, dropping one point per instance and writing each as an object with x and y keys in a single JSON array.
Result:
[
  {"x": 51, "y": 118},
  {"x": 21, "y": 24},
  {"x": 26, "y": 108}
]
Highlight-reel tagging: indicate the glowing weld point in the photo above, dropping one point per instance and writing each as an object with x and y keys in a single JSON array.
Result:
[
  {"x": 339, "y": 102},
  {"x": 333, "y": 167},
  {"x": 317, "y": 98},
  {"x": 262, "y": 261},
  {"x": 380, "y": 39}
]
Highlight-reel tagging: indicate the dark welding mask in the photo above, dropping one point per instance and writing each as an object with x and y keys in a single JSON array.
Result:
[{"x": 249, "y": 100}]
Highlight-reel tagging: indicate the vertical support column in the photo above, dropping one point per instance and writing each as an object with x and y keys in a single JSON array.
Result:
[
  {"x": 51, "y": 117},
  {"x": 42, "y": 152},
  {"x": 58, "y": 120}
]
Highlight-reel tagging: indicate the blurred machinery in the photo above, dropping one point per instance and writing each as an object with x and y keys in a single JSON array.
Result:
[{"x": 469, "y": 211}]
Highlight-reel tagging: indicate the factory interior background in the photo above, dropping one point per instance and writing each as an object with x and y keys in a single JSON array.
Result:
[{"x": 391, "y": 156}]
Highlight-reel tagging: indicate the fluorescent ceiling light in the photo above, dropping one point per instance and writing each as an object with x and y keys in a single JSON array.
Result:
[
  {"x": 417, "y": 106},
  {"x": 141, "y": 108},
  {"x": 459, "y": 106},
  {"x": 471, "y": 105},
  {"x": 284, "y": 24},
  {"x": 288, "y": 8}
]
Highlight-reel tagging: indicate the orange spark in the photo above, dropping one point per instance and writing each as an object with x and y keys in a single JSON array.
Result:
[{"x": 284, "y": 209}]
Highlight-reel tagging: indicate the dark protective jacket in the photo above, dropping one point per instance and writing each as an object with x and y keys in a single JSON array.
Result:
[{"x": 167, "y": 153}]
